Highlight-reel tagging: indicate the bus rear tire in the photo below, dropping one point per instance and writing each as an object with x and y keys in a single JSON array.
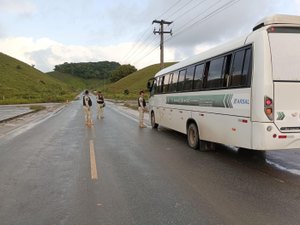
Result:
[
  {"x": 193, "y": 136},
  {"x": 153, "y": 124}
]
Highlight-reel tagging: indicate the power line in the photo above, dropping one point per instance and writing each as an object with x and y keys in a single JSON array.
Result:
[
  {"x": 181, "y": 8},
  {"x": 218, "y": 10},
  {"x": 184, "y": 28},
  {"x": 136, "y": 48},
  {"x": 189, "y": 10},
  {"x": 199, "y": 15},
  {"x": 146, "y": 54},
  {"x": 145, "y": 46},
  {"x": 169, "y": 9}
]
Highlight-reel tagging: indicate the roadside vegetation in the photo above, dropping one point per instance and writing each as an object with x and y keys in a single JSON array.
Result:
[
  {"x": 89, "y": 70},
  {"x": 128, "y": 88},
  {"x": 37, "y": 108},
  {"x": 21, "y": 83}
]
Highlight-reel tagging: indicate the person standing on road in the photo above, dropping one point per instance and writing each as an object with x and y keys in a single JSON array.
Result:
[
  {"x": 142, "y": 109},
  {"x": 100, "y": 105},
  {"x": 87, "y": 106}
]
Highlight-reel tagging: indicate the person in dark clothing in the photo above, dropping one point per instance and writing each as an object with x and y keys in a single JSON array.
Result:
[{"x": 100, "y": 105}]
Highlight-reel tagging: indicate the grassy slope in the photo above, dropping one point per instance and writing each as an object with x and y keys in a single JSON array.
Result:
[
  {"x": 134, "y": 83},
  {"x": 77, "y": 83},
  {"x": 21, "y": 83}
]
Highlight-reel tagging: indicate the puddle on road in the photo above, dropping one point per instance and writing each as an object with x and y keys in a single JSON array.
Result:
[
  {"x": 293, "y": 171},
  {"x": 285, "y": 160}
]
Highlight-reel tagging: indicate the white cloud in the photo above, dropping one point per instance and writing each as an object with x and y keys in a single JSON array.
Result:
[
  {"x": 21, "y": 47},
  {"x": 45, "y": 53},
  {"x": 22, "y": 7},
  {"x": 121, "y": 20},
  {"x": 297, "y": 6}
]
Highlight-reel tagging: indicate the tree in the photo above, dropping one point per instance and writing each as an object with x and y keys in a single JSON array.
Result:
[
  {"x": 100, "y": 70},
  {"x": 121, "y": 72}
]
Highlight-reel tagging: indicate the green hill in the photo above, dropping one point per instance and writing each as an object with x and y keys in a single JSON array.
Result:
[
  {"x": 77, "y": 83},
  {"x": 133, "y": 83},
  {"x": 88, "y": 70},
  {"x": 21, "y": 83}
]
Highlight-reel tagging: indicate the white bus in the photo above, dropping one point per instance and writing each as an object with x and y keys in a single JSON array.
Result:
[{"x": 245, "y": 93}]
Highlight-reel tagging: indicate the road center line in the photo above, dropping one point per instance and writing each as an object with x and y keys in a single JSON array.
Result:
[{"x": 94, "y": 174}]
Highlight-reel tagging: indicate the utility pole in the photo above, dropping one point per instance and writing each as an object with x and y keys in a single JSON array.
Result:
[{"x": 161, "y": 32}]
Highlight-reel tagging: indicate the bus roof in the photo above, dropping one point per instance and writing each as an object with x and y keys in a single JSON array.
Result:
[
  {"x": 274, "y": 19},
  {"x": 218, "y": 50},
  {"x": 277, "y": 19}
]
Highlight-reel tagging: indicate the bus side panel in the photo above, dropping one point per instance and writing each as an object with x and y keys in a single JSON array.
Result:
[
  {"x": 155, "y": 104},
  {"x": 231, "y": 130},
  {"x": 262, "y": 81},
  {"x": 178, "y": 119},
  {"x": 164, "y": 117}
]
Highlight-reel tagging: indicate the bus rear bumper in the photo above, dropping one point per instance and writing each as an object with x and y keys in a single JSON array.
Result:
[{"x": 266, "y": 136}]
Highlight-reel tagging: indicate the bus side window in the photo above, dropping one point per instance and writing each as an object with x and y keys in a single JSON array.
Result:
[
  {"x": 205, "y": 74},
  {"x": 158, "y": 86},
  {"x": 215, "y": 73},
  {"x": 166, "y": 83},
  {"x": 162, "y": 84},
  {"x": 198, "y": 77},
  {"x": 226, "y": 70},
  {"x": 240, "y": 68},
  {"x": 247, "y": 67},
  {"x": 181, "y": 79},
  {"x": 154, "y": 86},
  {"x": 188, "y": 82},
  {"x": 174, "y": 82},
  {"x": 170, "y": 82}
]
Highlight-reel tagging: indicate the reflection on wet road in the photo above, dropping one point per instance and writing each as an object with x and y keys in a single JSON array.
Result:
[
  {"x": 288, "y": 160},
  {"x": 59, "y": 171}
]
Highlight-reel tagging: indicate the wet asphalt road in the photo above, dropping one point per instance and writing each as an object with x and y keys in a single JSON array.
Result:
[{"x": 144, "y": 176}]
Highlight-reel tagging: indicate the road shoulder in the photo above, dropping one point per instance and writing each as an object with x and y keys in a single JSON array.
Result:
[{"x": 25, "y": 117}]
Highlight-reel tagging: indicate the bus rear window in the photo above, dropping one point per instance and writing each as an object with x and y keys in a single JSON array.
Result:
[
  {"x": 284, "y": 30},
  {"x": 285, "y": 50}
]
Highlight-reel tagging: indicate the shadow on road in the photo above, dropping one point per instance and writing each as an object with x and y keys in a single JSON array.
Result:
[{"x": 283, "y": 164}]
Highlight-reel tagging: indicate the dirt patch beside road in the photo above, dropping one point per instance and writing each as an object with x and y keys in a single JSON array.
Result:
[{"x": 12, "y": 124}]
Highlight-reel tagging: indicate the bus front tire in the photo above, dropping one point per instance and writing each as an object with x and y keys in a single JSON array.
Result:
[
  {"x": 153, "y": 124},
  {"x": 193, "y": 136}
]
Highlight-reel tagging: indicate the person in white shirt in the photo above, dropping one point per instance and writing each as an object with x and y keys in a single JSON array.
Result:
[
  {"x": 142, "y": 109},
  {"x": 87, "y": 106}
]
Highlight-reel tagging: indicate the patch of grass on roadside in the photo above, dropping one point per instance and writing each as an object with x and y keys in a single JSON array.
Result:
[
  {"x": 131, "y": 106},
  {"x": 37, "y": 108}
]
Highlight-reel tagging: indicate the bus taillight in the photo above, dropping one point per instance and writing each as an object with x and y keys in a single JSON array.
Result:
[
  {"x": 269, "y": 107},
  {"x": 268, "y": 101},
  {"x": 271, "y": 29}
]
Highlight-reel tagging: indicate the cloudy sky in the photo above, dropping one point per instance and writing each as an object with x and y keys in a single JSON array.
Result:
[{"x": 47, "y": 33}]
